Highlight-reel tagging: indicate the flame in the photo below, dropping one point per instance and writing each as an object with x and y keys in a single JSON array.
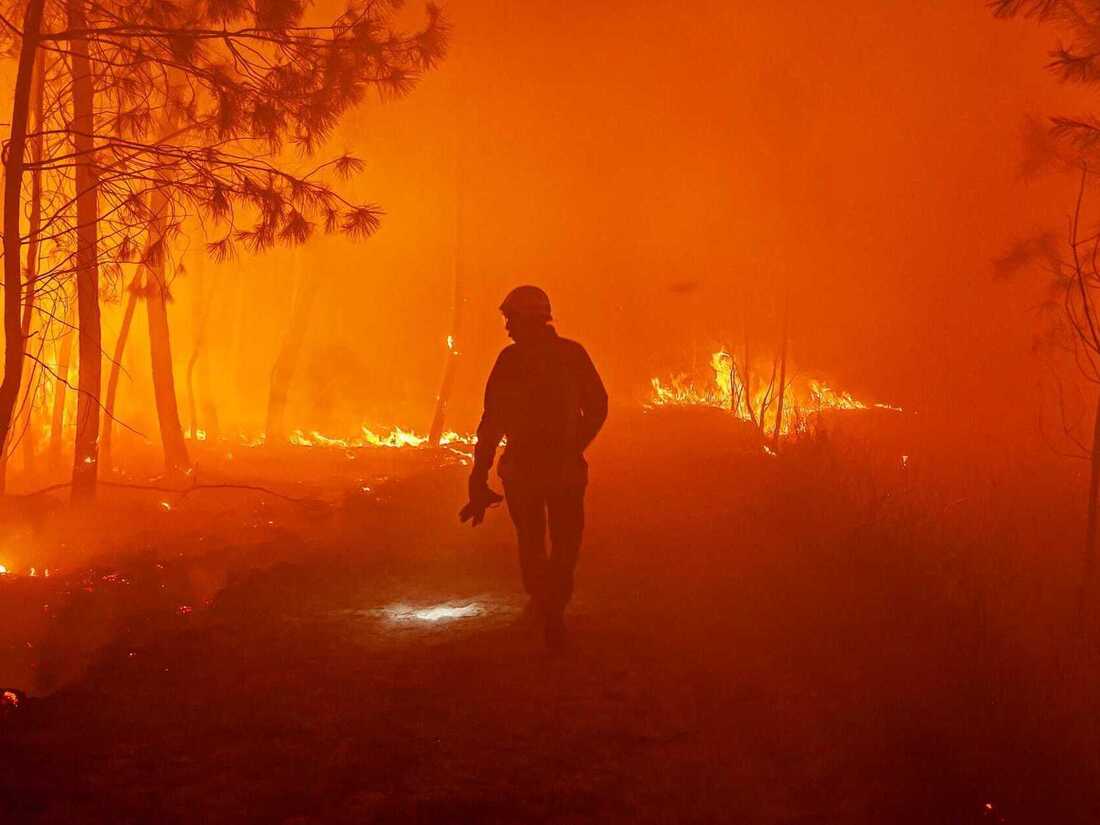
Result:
[
  {"x": 367, "y": 437},
  {"x": 396, "y": 437},
  {"x": 3, "y": 570},
  {"x": 727, "y": 390}
]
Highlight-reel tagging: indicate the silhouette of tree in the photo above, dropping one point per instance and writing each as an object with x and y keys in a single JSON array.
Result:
[
  {"x": 177, "y": 109},
  {"x": 14, "y": 167},
  {"x": 1075, "y": 273}
]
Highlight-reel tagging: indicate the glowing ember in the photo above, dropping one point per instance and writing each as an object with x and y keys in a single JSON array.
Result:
[
  {"x": 730, "y": 390},
  {"x": 402, "y": 613},
  {"x": 3, "y": 570}
]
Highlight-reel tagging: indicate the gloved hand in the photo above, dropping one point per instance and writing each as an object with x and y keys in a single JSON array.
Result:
[{"x": 481, "y": 499}]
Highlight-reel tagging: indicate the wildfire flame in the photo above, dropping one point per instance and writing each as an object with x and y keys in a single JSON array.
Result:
[
  {"x": 397, "y": 437},
  {"x": 759, "y": 405}
]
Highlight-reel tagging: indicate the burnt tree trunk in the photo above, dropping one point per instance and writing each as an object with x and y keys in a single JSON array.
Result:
[
  {"x": 57, "y": 423},
  {"x": 1089, "y": 574},
  {"x": 206, "y": 392},
  {"x": 89, "y": 332},
  {"x": 132, "y": 292},
  {"x": 286, "y": 362},
  {"x": 177, "y": 462},
  {"x": 14, "y": 342},
  {"x": 782, "y": 376},
  {"x": 203, "y": 306},
  {"x": 747, "y": 382},
  {"x": 450, "y": 368},
  {"x": 35, "y": 228},
  {"x": 33, "y": 231}
]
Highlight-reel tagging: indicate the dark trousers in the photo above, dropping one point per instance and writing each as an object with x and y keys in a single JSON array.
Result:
[{"x": 548, "y": 579}]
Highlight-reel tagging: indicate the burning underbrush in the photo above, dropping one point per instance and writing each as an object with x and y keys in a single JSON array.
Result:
[
  {"x": 396, "y": 437},
  {"x": 760, "y": 396}
]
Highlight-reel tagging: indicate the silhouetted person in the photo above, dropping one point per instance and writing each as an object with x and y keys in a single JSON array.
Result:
[{"x": 545, "y": 396}]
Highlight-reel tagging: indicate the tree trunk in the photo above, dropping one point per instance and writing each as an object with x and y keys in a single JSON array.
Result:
[
  {"x": 37, "y": 152},
  {"x": 57, "y": 424},
  {"x": 435, "y": 435},
  {"x": 90, "y": 335},
  {"x": 203, "y": 306},
  {"x": 782, "y": 376},
  {"x": 747, "y": 382},
  {"x": 105, "y": 454},
  {"x": 176, "y": 460},
  {"x": 14, "y": 342},
  {"x": 206, "y": 392},
  {"x": 22, "y": 432},
  {"x": 451, "y": 365},
  {"x": 1089, "y": 573},
  {"x": 286, "y": 363}
]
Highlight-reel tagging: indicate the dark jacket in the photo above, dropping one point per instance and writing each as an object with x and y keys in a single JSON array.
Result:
[{"x": 545, "y": 396}]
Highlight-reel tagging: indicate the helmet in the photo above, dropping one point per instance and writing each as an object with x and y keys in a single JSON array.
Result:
[{"x": 529, "y": 301}]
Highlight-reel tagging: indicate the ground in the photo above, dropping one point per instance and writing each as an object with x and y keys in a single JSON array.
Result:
[{"x": 813, "y": 638}]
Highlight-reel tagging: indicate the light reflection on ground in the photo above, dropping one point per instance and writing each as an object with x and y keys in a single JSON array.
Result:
[
  {"x": 436, "y": 613},
  {"x": 414, "y": 613}
]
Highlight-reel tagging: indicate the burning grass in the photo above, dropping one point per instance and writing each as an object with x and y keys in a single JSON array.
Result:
[
  {"x": 759, "y": 398},
  {"x": 396, "y": 437}
]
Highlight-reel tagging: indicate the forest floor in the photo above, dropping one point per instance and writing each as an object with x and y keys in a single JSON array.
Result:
[{"x": 814, "y": 638}]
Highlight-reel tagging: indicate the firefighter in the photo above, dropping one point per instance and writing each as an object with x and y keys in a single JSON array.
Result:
[{"x": 546, "y": 398}]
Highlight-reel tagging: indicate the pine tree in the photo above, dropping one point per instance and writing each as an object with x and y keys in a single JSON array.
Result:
[{"x": 190, "y": 106}]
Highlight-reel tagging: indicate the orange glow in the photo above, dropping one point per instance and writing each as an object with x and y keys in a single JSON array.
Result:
[
  {"x": 824, "y": 559},
  {"x": 641, "y": 200}
]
